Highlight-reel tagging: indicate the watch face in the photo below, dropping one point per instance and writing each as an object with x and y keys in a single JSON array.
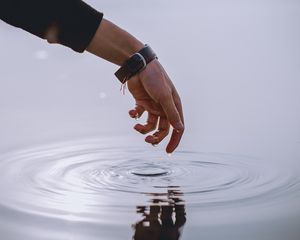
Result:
[{"x": 135, "y": 63}]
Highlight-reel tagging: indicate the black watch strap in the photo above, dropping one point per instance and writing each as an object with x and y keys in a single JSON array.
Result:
[{"x": 135, "y": 64}]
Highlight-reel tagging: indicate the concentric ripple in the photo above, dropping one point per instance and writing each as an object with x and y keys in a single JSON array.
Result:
[{"x": 80, "y": 179}]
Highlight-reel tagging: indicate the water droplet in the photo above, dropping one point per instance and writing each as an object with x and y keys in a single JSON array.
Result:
[{"x": 151, "y": 172}]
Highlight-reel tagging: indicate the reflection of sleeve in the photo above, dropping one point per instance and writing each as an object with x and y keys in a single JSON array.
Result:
[{"x": 75, "y": 21}]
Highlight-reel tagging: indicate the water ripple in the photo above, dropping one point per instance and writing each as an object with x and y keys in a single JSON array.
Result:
[{"x": 80, "y": 179}]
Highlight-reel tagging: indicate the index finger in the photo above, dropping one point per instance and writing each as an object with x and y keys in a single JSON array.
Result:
[{"x": 175, "y": 116}]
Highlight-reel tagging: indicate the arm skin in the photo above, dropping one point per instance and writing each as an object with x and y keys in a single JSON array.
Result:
[{"x": 151, "y": 88}]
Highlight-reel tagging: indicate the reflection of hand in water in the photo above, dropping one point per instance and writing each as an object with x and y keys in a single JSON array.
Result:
[{"x": 164, "y": 220}]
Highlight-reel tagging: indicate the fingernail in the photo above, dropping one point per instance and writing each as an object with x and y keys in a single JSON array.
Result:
[
  {"x": 131, "y": 113},
  {"x": 148, "y": 139},
  {"x": 151, "y": 139},
  {"x": 168, "y": 151}
]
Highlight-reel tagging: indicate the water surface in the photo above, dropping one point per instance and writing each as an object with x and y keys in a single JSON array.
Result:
[{"x": 86, "y": 182}]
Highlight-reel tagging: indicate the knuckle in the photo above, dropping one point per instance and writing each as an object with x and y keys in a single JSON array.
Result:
[
  {"x": 143, "y": 131},
  {"x": 181, "y": 129},
  {"x": 165, "y": 132}
]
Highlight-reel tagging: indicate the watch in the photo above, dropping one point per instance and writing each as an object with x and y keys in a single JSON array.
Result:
[{"x": 135, "y": 64}]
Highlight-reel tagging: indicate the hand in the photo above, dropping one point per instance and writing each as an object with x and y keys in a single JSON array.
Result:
[
  {"x": 152, "y": 89},
  {"x": 155, "y": 93}
]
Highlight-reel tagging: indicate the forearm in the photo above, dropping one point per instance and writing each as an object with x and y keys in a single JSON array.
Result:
[
  {"x": 113, "y": 44},
  {"x": 71, "y": 23}
]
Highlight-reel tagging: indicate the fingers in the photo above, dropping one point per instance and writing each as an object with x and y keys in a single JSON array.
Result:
[
  {"x": 169, "y": 113},
  {"x": 178, "y": 105},
  {"x": 176, "y": 134},
  {"x": 163, "y": 131},
  {"x": 172, "y": 113},
  {"x": 149, "y": 126},
  {"x": 137, "y": 112},
  {"x": 175, "y": 117},
  {"x": 174, "y": 141}
]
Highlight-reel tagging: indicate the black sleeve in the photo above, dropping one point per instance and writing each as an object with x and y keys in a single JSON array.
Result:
[{"x": 75, "y": 21}]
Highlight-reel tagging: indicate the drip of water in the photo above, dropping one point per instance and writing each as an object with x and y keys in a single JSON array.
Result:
[{"x": 150, "y": 170}]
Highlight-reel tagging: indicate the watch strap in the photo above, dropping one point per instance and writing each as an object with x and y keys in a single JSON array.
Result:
[{"x": 135, "y": 64}]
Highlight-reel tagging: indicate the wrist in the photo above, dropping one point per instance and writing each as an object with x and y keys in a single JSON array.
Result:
[{"x": 135, "y": 64}]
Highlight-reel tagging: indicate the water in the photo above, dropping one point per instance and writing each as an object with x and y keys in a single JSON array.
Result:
[
  {"x": 72, "y": 168},
  {"x": 86, "y": 182}
]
